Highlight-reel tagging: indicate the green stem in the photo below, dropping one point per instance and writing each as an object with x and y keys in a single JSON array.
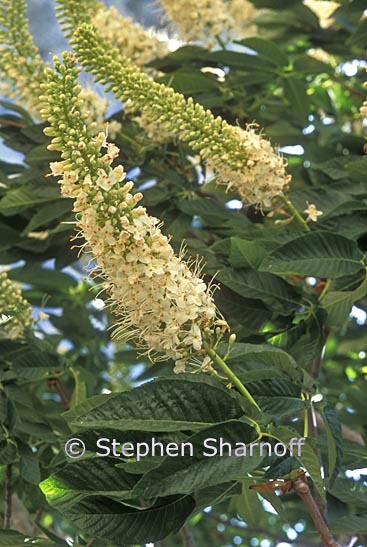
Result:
[
  {"x": 325, "y": 289},
  {"x": 305, "y": 424},
  {"x": 287, "y": 202},
  {"x": 230, "y": 375}
]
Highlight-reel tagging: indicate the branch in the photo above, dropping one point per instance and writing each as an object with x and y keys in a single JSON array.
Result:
[
  {"x": 7, "y": 501},
  {"x": 59, "y": 388},
  {"x": 187, "y": 539},
  {"x": 21, "y": 519},
  {"x": 303, "y": 491},
  {"x": 90, "y": 543}
]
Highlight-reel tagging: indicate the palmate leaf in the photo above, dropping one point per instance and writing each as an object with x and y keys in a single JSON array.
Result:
[
  {"x": 334, "y": 441},
  {"x": 184, "y": 474},
  {"x": 174, "y": 404},
  {"x": 350, "y": 491},
  {"x": 320, "y": 254},
  {"x": 108, "y": 519},
  {"x": 274, "y": 292},
  {"x": 350, "y": 524},
  {"x": 89, "y": 477},
  {"x": 251, "y": 356},
  {"x": 339, "y": 303}
]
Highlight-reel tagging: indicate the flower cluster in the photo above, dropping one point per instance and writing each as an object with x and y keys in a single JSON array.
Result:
[
  {"x": 130, "y": 38},
  {"x": 239, "y": 157},
  {"x": 263, "y": 176},
  {"x": 21, "y": 66},
  {"x": 15, "y": 312},
  {"x": 95, "y": 107},
  {"x": 23, "y": 71},
  {"x": 159, "y": 301},
  {"x": 205, "y": 19},
  {"x": 324, "y": 10}
]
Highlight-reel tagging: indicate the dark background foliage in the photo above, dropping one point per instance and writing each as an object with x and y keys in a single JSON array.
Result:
[{"x": 274, "y": 298}]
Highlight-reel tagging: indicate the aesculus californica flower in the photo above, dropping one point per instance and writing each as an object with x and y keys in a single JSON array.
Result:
[
  {"x": 21, "y": 66},
  {"x": 22, "y": 70},
  {"x": 15, "y": 312},
  {"x": 159, "y": 301},
  {"x": 129, "y": 37},
  {"x": 241, "y": 158},
  {"x": 203, "y": 20},
  {"x": 312, "y": 212}
]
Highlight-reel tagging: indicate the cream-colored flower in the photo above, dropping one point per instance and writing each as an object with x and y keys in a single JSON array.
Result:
[
  {"x": 130, "y": 38},
  {"x": 158, "y": 299},
  {"x": 22, "y": 69},
  {"x": 15, "y": 312},
  {"x": 241, "y": 158},
  {"x": 21, "y": 66},
  {"x": 324, "y": 10},
  {"x": 312, "y": 212},
  {"x": 262, "y": 177},
  {"x": 203, "y": 20}
]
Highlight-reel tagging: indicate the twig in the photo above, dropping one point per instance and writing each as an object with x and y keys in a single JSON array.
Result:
[
  {"x": 315, "y": 371},
  {"x": 230, "y": 374},
  {"x": 7, "y": 511},
  {"x": 187, "y": 539},
  {"x": 287, "y": 202},
  {"x": 3, "y": 121},
  {"x": 301, "y": 488},
  {"x": 90, "y": 543},
  {"x": 59, "y": 388}
]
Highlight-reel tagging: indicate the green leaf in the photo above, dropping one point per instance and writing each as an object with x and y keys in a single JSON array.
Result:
[
  {"x": 320, "y": 254},
  {"x": 89, "y": 477},
  {"x": 185, "y": 81},
  {"x": 123, "y": 525},
  {"x": 351, "y": 524},
  {"x": 246, "y": 254},
  {"x": 19, "y": 199},
  {"x": 8, "y": 452},
  {"x": 208, "y": 465},
  {"x": 248, "y": 504},
  {"x": 40, "y": 154},
  {"x": 163, "y": 405},
  {"x": 279, "y": 406},
  {"x": 251, "y": 355},
  {"x": 80, "y": 389},
  {"x": 350, "y": 491},
  {"x": 29, "y": 464},
  {"x": 296, "y": 92},
  {"x": 31, "y": 360},
  {"x": 19, "y": 110},
  {"x": 267, "y": 49},
  {"x": 47, "y": 214},
  {"x": 334, "y": 442},
  {"x": 273, "y": 291},
  {"x": 3, "y": 406},
  {"x": 45, "y": 278},
  {"x": 9, "y": 237},
  {"x": 338, "y": 304}
]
